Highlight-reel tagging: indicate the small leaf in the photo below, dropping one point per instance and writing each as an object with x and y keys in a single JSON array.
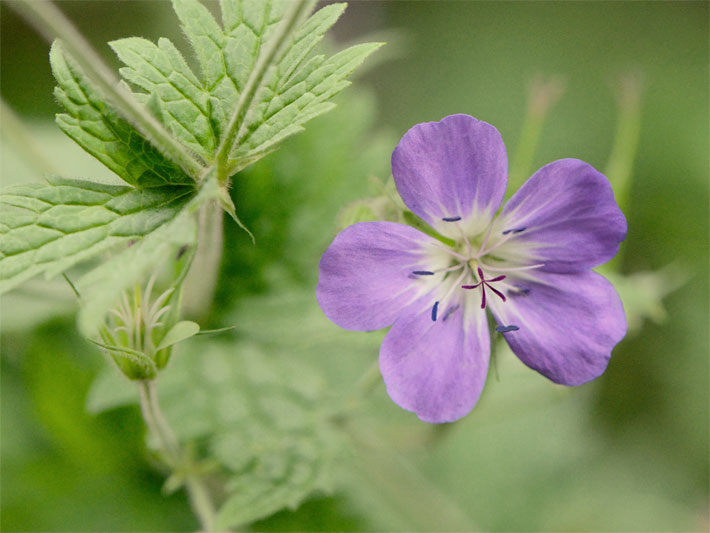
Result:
[
  {"x": 228, "y": 205},
  {"x": 215, "y": 331},
  {"x": 179, "y": 332}
]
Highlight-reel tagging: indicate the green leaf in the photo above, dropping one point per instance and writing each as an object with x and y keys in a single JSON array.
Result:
[
  {"x": 50, "y": 227},
  {"x": 97, "y": 127},
  {"x": 181, "y": 102},
  {"x": 261, "y": 416},
  {"x": 297, "y": 88},
  {"x": 288, "y": 104},
  {"x": 179, "y": 332}
]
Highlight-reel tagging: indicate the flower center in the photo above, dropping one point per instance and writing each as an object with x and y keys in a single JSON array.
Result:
[{"x": 468, "y": 259}]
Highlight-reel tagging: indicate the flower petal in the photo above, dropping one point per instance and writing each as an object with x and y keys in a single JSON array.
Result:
[
  {"x": 436, "y": 369},
  {"x": 453, "y": 168},
  {"x": 365, "y": 277},
  {"x": 568, "y": 324},
  {"x": 568, "y": 217}
]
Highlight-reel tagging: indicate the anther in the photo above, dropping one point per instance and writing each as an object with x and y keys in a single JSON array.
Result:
[
  {"x": 434, "y": 310},
  {"x": 520, "y": 291},
  {"x": 506, "y": 329},
  {"x": 515, "y": 230},
  {"x": 449, "y": 312},
  {"x": 451, "y": 219},
  {"x": 423, "y": 273}
]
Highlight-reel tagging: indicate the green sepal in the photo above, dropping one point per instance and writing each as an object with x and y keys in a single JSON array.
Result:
[
  {"x": 179, "y": 332},
  {"x": 133, "y": 364}
]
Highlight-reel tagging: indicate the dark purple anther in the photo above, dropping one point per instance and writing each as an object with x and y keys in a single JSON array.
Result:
[
  {"x": 423, "y": 273},
  {"x": 506, "y": 329},
  {"x": 434, "y": 310},
  {"x": 451, "y": 219},
  {"x": 517, "y": 230}
]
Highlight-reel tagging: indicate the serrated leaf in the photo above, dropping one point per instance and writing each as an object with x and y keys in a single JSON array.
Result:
[
  {"x": 53, "y": 226},
  {"x": 297, "y": 88},
  {"x": 181, "y": 102},
  {"x": 259, "y": 415},
  {"x": 227, "y": 56},
  {"x": 179, "y": 332},
  {"x": 97, "y": 127},
  {"x": 286, "y": 107}
]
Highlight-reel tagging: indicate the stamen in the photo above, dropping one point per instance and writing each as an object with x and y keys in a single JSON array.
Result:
[
  {"x": 449, "y": 312},
  {"x": 451, "y": 219},
  {"x": 485, "y": 240},
  {"x": 423, "y": 273},
  {"x": 506, "y": 329},
  {"x": 449, "y": 251},
  {"x": 449, "y": 269},
  {"x": 517, "y": 230},
  {"x": 434, "y": 310},
  {"x": 519, "y": 291},
  {"x": 511, "y": 269}
]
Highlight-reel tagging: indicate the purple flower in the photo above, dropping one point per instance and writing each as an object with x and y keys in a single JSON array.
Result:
[{"x": 530, "y": 267}]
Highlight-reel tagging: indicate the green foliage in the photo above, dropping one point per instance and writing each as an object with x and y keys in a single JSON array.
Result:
[
  {"x": 296, "y": 88},
  {"x": 179, "y": 332},
  {"x": 262, "y": 418},
  {"x": 51, "y": 227},
  {"x": 97, "y": 127},
  {"x": 172, "y": 90},
  {"x": 80, "y": 220}
]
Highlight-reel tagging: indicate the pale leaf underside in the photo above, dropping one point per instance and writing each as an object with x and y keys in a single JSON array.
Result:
[{"x": 47, "y": 228}]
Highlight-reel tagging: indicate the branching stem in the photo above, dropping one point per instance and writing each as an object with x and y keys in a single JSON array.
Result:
[{"x": 158, "y": 426}]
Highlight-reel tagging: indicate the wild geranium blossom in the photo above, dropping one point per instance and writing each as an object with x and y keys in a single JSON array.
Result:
[{"x": 530, "y": 267}]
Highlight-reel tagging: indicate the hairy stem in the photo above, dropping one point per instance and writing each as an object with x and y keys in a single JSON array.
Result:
[
  {"x": 267, "y": 58},
  {"x": 201, "y": 281},
  {"x": 159, "y": 427},
  {"x": 51, "y": 23}
]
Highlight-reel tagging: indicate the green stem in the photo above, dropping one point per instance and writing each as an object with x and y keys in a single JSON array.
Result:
[
  {"x": 201, "y": 280},
  {"x": 168, "y": 443},
  {"x": 620, "y": 166},
  {"x": 621, "y": 161},
  {"x": 234, "y": 130},
  {"x": 543, "y": 93},
  {"x": 51, "y": 23}
]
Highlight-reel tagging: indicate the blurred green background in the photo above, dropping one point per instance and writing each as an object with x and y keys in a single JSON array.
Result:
[{"x": 628, "y": 452}]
